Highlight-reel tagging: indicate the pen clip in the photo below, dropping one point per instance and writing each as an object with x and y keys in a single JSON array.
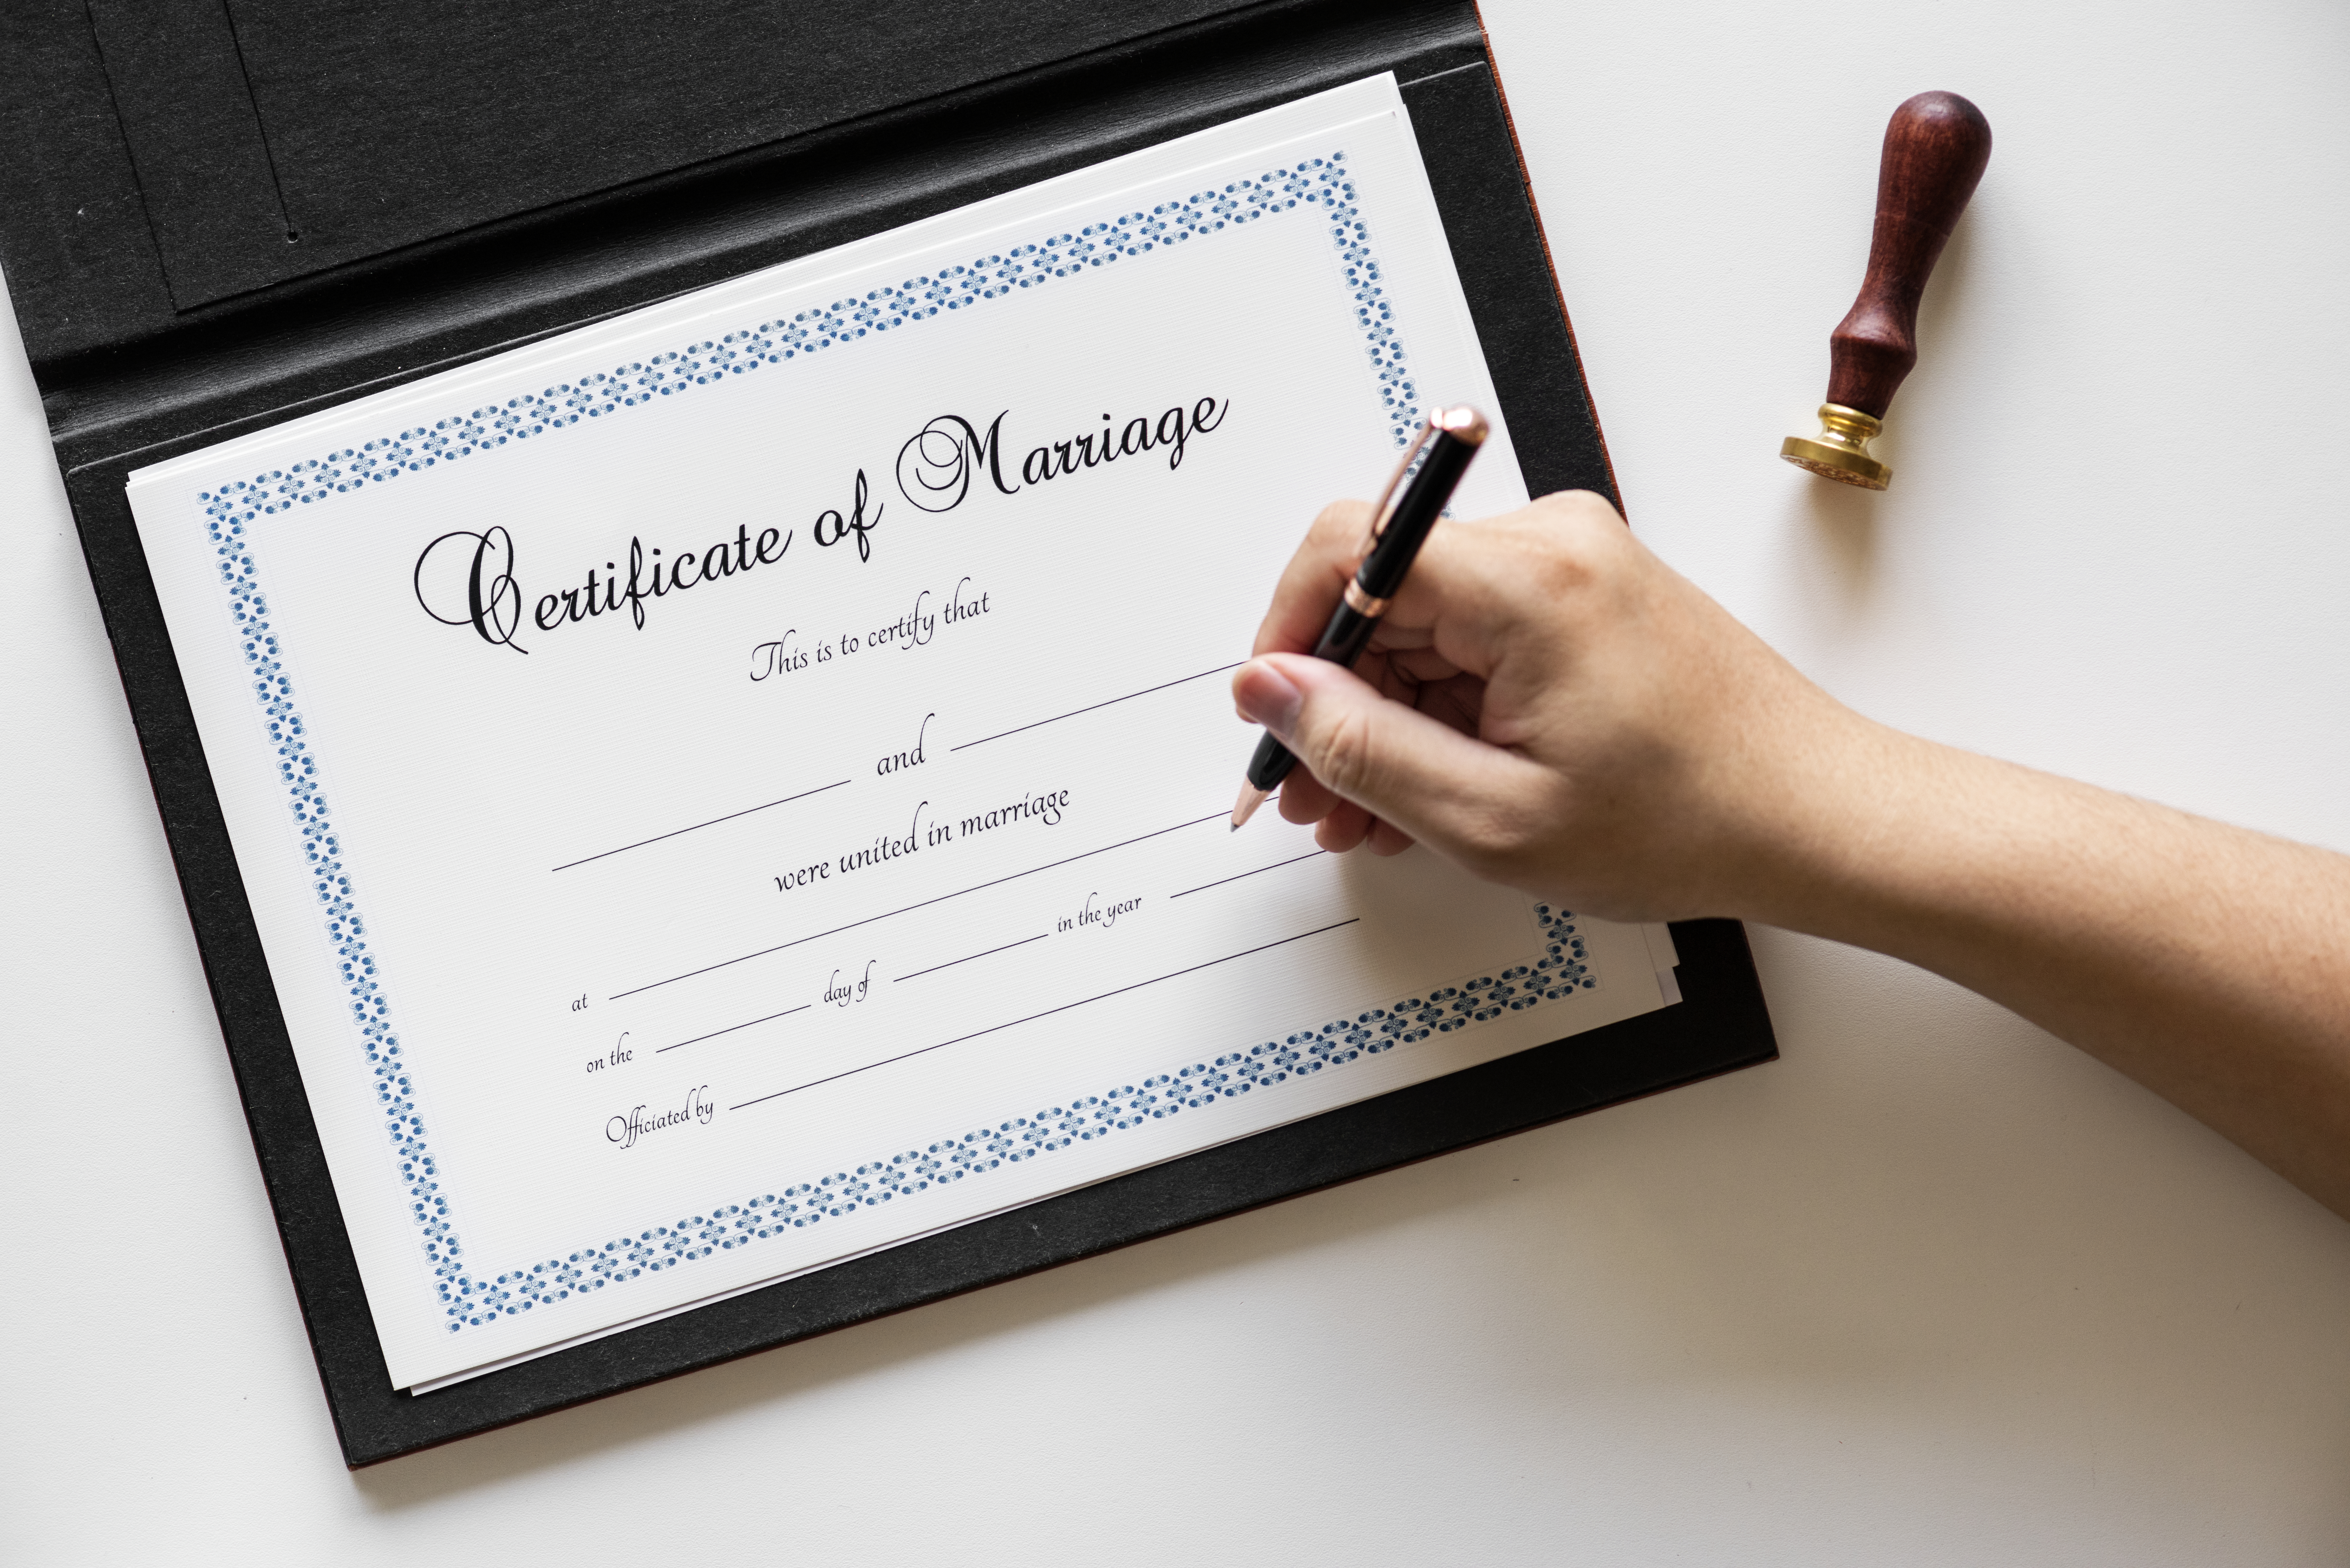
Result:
[{"x": 1385, "y": 508}]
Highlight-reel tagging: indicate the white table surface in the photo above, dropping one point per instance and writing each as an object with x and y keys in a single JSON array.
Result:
[{"x": 1931, "y": 1289}]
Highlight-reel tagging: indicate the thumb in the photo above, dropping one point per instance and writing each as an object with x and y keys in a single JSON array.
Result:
[{"x": 1444, "y": 788}]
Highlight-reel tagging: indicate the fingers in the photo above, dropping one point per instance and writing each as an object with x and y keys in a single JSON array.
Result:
[
  {"x": 1403, "y": 771},
  {"x": 1390, "y": 758},
  {"x": 1346, "y": 826},
  {"x": 1305, "y": 798},
  {"x": 1339, "y": 825},
  {"x": 1310, "y": 584},
  {"x": 1473, "y": 588}
]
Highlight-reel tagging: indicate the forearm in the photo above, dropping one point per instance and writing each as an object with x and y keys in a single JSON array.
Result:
[{"x": 2210, "y": 963}]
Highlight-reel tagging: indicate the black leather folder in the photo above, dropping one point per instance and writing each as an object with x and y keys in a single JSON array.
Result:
[{"x": 217, "y": 214}]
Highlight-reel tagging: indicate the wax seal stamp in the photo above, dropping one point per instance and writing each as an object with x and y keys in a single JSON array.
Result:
[{"x": 1935, "y": 149}]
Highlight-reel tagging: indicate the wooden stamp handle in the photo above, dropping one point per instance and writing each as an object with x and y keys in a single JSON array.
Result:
[{"x": 1934, "y": 150}]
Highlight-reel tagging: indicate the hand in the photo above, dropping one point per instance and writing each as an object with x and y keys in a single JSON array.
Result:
[{"x": 1550, "y": 705}]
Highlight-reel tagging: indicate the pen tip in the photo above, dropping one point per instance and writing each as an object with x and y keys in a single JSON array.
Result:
[{"x": 1245, "y": 807}]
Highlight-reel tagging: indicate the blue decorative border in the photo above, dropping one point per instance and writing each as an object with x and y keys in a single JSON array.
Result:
[{"x": 1320, "y": 182}]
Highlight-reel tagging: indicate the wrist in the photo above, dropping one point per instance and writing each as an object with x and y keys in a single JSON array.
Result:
[{"x": 1828, "y": 833}]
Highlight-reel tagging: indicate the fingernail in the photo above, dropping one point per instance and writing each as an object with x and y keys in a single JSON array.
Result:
[{"x": 1265, "y": 695}]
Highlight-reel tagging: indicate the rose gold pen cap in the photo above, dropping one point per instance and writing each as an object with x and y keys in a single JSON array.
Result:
[{"x": 1462, "y": 423}]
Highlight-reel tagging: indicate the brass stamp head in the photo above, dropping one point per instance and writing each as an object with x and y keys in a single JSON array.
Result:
[{"x": 1841, "y": 450}]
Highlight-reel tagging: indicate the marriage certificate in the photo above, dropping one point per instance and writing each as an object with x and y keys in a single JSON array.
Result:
[{"x": 744, "y": 783}]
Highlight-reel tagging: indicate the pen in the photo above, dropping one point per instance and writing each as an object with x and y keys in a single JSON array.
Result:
[{"x": 1451, "y": 438}]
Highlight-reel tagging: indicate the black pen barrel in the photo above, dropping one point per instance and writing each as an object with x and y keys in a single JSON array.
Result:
[
  {"x": 1349, "y": 630},
  {"x": 1270, "y": 764},
  {"x": 1347, "y": 635},
  {"x": 1383, "y": 570}
]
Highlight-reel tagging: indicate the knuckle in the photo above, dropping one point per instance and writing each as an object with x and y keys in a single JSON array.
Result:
[
  {"x": 1581, "y": 517},
  {"x": 1494, "y": 840},
  {"x": 1340, "y": 521},
  {"x": 1555, "y": 566},
  {"x": 1575, "y": 540},
  {"x": 1342, "y": 746},
  {"x": 1577, "y": 508}
]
